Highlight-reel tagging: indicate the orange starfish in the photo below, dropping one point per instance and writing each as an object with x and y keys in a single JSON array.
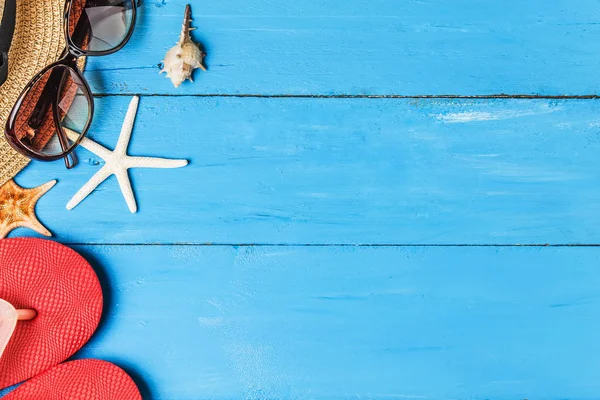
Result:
[{"x": 17, "y": 207}]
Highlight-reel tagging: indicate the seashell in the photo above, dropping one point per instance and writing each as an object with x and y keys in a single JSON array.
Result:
[{"x": 185, "y": 56}]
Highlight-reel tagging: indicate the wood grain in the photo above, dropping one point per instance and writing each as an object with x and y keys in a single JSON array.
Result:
[
  {"x": 377, "y": 47},
  {"x": 348, "y": 323},
  {"x": 388, "y": 262},
  {"x": 341, "y": 171}
]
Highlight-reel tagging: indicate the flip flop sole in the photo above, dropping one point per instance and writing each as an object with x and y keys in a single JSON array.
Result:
[
  {"x": 79, "y": 380},
  {"x": 64, "y": 290}
]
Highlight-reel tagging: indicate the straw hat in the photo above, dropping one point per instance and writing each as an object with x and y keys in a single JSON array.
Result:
[{"x": 38, "y": 41}]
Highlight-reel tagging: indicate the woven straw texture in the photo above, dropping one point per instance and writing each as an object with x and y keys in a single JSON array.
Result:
[{"x": 37, "y": 42}]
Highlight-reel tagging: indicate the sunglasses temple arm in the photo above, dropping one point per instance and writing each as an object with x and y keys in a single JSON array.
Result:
[
  {"x": 38, "y": 114},
  {"x": 70, "y": 158}
]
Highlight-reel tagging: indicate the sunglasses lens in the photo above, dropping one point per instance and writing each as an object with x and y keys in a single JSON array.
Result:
[
  {"x": 100, "y": 25},
  {"x": 58, "y": 97}
]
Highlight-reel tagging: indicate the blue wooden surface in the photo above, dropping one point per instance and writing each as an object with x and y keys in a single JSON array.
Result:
[
  {"x": 383, "y": 47},
  {"x": 349, "y": 171},
  {"x": 350, "y": 248},
  {"x": 340, "y": 323}
]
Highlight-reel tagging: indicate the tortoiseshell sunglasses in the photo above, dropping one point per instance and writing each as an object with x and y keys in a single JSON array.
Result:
[{"x": 55, "y": 110}]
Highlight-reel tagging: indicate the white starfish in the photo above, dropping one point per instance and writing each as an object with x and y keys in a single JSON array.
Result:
[{"x": 117, "y": 162}]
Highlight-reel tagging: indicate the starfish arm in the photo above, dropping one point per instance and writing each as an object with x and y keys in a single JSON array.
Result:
[
  {"x": 126, "y": 189},
  {"x": 35, "y": 225},
  {"x": 127, "y": 128},
  {"x": 89, "y": 187},
  {"x": 117, "y": 162},
  {"x": 18, "y": 207},
  {"x": 154, "y": 162},
  {"x": 89, "y": 145},
  {"x": 5, "y": 229},
  {"x": 38, "y": 192},
  {"x": 95, "y": 148}
]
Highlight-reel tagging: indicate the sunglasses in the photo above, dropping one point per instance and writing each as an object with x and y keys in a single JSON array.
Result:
[{"x": 55, "y": 110}]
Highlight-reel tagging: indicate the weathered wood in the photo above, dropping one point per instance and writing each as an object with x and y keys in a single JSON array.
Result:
[
  {"x": 351, "y": 171},
  {"x": 347, "y": 323},
  {"x": 377, "y": 47},
  {"x": 316, "y": 317}
]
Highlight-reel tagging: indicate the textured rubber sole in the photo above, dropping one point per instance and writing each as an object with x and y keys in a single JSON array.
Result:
[
  {"x": 64, "y": 290},
  {"x": 79, "y": 380}
]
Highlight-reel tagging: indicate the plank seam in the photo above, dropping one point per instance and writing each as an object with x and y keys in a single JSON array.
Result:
[
  {"x": 323, "y": 245},
  {"x": 359, "y": 96}
]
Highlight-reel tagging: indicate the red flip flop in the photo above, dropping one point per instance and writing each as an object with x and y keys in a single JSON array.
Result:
[
  {"x": 52, "y": 303},
  {"x": 79, "y": 380}
]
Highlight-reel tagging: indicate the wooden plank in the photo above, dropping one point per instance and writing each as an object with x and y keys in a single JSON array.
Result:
[
  {"x": 346, "y": 323},
  {"x": 349, "y": 171},
  {"x": 383, "y": 47}
]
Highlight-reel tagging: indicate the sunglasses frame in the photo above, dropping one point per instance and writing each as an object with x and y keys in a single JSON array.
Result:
[{"x": 67, "y": 61}]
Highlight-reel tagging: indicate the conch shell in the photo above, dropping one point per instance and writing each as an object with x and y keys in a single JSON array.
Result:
[{"x": 185, "y": 56}]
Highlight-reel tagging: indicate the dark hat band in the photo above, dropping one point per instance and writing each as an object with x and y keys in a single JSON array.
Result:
[{"x": 7, "y": 29}]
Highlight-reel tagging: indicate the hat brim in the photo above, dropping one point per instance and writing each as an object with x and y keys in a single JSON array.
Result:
[{"x": 38, "y": 41}]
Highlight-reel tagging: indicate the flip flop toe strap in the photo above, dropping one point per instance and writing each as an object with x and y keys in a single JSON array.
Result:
[{"x": 8, "y": 321}]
